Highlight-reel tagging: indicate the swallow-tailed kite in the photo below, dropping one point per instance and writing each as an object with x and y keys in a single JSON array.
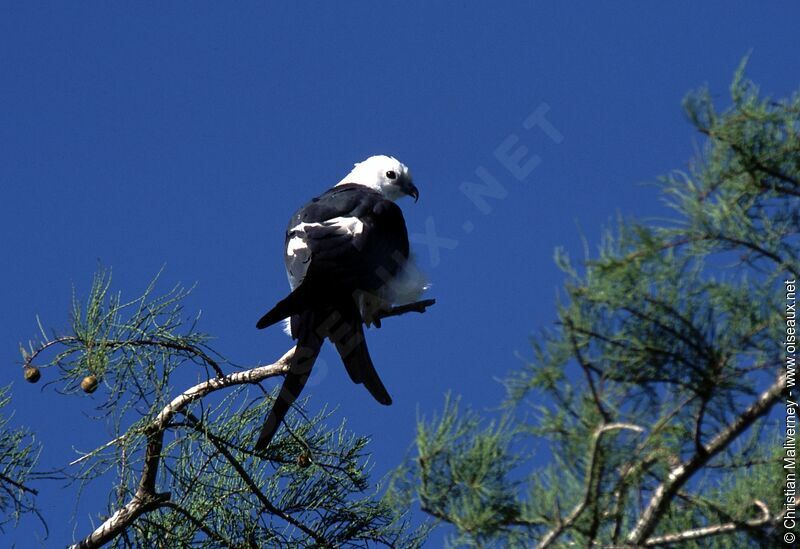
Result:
[{"x": 347, "y": 259}]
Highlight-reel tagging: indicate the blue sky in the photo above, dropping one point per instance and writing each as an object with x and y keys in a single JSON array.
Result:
[{"x": 186, "y": 134}]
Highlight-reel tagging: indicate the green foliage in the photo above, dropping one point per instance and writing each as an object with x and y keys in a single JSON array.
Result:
[
  {"x": 210, "y": 474},
  {"x": 646, "y": 388},
  {"x": 18, "y": 456},
  {"x": 463, "y": 462},
  {"x": 132, "y": 347},
  {"x": 181, "y": 455}
]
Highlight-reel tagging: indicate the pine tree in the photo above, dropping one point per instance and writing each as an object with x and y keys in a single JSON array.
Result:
[
  {"x": 180, "y": 461},
  {"x": 643, "y": 417}
]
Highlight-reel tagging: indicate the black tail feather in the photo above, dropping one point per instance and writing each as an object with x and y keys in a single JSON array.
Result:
[
  {"x": 292, "y": 386},
  {"x": 292, "y": 304},
  {"x": 352, "y": 347},
  {"x": 305, "y": 355},
  {"x": 344, "y": 327}
]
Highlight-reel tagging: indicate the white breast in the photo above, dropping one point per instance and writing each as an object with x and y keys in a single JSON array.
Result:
[{"x": 407, "y": 285}]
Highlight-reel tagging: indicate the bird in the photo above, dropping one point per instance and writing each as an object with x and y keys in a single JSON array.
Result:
[{"x": 347, "y": 258}]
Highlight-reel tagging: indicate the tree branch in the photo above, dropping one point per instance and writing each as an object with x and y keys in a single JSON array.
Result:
[
  {"x": 415, "y": 307},
  {"x": 198, "y": 523},
  {"x": 586, "y": 367},
  {"x": 121, "y": 519},
  {"x": 752, "y": 160},
  {"x": 551, "y": 536},
  {"x": 117, "y": 343},
  {"x": 146, "y": 499},
  {"x": 678, "y": 475},
  {"x": 635, "y": 463},
  {"x": 708, "y": 531},
  {"x": 17, "y": 485},
  {"x": 191, "y": 349},
  {"x": 251, "y": 484}
]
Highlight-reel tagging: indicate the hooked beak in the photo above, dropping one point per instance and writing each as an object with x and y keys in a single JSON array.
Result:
[{"x": 411, "y": 190}]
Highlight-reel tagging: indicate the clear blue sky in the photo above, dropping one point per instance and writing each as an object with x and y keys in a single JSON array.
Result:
[{"x": 186, "y": 134}]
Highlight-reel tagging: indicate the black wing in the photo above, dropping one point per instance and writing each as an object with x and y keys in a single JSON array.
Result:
[{"x": 348, "y": 238}]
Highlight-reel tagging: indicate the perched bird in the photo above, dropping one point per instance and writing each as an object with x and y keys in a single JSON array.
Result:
[{"x": 347, "y": 259}]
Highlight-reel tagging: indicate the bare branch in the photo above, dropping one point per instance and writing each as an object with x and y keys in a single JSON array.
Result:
[
  {"x": 119, "y": 521},
  {"x": 586, "y": 367},
  {"x": 415, "y": 307},
  {"x": 116, "y": 344},
  {"x": 708, "y": 531},
  {"x": 551, "y": 536},
  {"x": 94, "y": 452},
  {"x": 678, "y": 475},
  {"x": 17, "y": 485},
  {"x": 146, "y": 499},
  {"x": 30, "y": 357}
]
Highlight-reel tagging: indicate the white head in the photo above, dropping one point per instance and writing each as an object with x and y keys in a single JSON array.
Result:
[{"x": 385, "y": 174}]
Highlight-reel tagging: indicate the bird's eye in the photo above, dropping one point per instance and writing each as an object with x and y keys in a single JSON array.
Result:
[{"x": 391, "y": 174}]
